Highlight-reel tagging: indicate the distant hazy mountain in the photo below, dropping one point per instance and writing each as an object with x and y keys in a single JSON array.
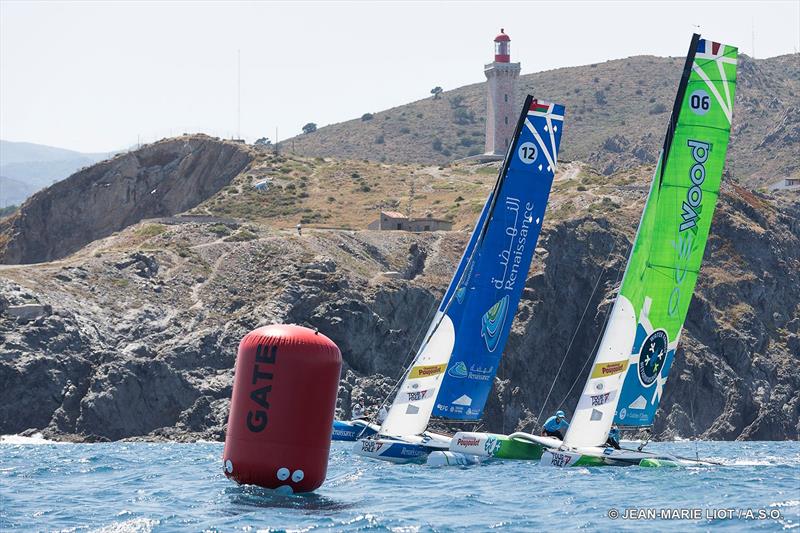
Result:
[
  {"x": 27, "y": 167},
  {"x": 14, "y": 192}
]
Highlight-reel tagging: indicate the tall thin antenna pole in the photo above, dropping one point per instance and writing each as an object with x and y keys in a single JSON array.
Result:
[
  {"x": 276, "y": 140},
  {"x": 238, "y": 94},
  {"x": 753, "y": 27}
]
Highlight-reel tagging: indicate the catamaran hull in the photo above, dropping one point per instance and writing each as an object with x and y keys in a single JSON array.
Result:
[
  {"x": 413, "y": 449},
  {"x": 390, "y": 450},
  {"x": 597, "y": 456},
  {"x": 353, "y": 430},
  {"x": 547, "y": 450},
  {"x": 522, "y": 446}
]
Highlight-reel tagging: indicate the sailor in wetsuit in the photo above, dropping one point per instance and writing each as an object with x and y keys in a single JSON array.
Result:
[
  {"x": 613, "y": 438},
  {"x": 555, "y": 426}
]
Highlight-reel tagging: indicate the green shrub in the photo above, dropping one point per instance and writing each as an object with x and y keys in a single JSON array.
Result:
[
  {"x": 150, "y": 230},
  {"x": 220, "y": 230},
  {"x": 241, "y": 235}
]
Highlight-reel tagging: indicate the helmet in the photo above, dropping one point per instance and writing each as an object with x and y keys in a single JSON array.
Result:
[{"x": 560, "y": 414}]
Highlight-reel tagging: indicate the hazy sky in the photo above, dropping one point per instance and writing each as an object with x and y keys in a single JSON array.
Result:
[{"x": 96, "y": 76}]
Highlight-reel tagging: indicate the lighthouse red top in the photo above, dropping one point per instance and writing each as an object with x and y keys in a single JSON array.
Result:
[{"x": 502, "y": 47}]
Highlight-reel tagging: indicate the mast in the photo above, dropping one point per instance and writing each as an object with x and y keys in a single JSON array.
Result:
[{"x": 637, "y": 348}]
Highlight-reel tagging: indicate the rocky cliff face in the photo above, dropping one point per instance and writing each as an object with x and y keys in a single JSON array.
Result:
[
  {"x": 161, "y": 179},
  {"x": 138, "y": 336}
]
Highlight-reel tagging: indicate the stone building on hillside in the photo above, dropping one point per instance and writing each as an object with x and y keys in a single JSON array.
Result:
[{"x": 392, "y": 220}]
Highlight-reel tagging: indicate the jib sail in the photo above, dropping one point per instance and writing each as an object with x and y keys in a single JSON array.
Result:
[
  {"x": 635, "y": 355},
  {"x": 454, "y": 369}
]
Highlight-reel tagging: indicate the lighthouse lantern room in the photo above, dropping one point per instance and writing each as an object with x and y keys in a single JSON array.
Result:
[{"x": 502, "y": 47}]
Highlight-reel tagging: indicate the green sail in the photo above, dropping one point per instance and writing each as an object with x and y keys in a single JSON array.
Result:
[
  {"x": 666, "y": 256},
  {"x": 633, "y": 359}
]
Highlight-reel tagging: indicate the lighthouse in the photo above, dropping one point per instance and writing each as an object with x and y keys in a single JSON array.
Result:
[{"x": 501, "y": 92}]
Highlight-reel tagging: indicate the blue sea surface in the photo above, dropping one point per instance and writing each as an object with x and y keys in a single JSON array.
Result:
[{"x": 180, "y": 487}]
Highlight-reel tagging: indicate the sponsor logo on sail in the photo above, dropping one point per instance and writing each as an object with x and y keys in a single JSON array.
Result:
[
  {"x": 691, "y": 207},
  {"x": 426, "y": 371},
  {"x": 492, "y": 323},
  {"x": 651, "y": 357},
  {"x": 512, "y": 254},
  {"x": 463, "y": 400},
  {"x": 600, "y": 399},
  {"x": 468, "y": 441},
  {"x": 604, "y": 370},
  {"x": 458, "y": 370},
  {"x": 638, "y": 403},
  {"x": 477, "y": 373},
  {"x": 416, "y": 395}
]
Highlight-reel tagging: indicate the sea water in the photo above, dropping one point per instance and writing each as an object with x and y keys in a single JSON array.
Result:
[{"x": 180, "y": 487}]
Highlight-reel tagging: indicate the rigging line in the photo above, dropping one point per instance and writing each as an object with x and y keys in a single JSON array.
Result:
[
  {"x": 596, "y": 342},
  {"x": 569, "y": 347},
  {"x": 374, "y": 416}
]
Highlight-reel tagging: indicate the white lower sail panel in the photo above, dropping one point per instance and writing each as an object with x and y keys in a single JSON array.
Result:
[
  {"x": 598, "y": 402},
  {"x": 414, "y": 402}
]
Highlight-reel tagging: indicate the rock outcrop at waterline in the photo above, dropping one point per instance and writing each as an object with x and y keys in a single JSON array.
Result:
[
  {"x": 138, "y": 337},
  {"x": 160, "y": 179}
]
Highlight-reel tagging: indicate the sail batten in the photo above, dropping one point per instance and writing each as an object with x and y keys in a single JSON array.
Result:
[
  {"x": 662, "y": 270},
  {"x": 453, "y": 372}
]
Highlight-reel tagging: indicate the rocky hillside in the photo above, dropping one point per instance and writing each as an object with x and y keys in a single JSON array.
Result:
[
  {"x": 161, "y": 179},
  {"x": 136, "y": 333},
  {"x": 617, "y": 113}
]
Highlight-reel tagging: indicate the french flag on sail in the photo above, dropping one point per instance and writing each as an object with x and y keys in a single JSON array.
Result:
[{"x": 704, "y": 48}]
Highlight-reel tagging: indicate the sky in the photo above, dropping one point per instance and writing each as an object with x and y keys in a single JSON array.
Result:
[{"x": 97, "y": 77}]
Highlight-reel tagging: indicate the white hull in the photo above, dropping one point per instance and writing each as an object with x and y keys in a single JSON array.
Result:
[{"x": 411, "y": 449}]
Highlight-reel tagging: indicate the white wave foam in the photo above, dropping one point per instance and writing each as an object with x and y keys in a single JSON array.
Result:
[
  {"x": 36, "y": 438},
  {"x": 135, "y": 525}
]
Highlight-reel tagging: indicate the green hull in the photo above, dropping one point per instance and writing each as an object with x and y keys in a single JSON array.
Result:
[
  {"x": 517, "y": 449},
  {"x": 497, "y": 446}
]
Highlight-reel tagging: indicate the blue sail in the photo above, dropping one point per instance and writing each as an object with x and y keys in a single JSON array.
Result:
[{"x": 482, "y": 299}]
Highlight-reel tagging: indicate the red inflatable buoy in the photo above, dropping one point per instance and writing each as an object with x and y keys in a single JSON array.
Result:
[{"x": 282, "y": 407}]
